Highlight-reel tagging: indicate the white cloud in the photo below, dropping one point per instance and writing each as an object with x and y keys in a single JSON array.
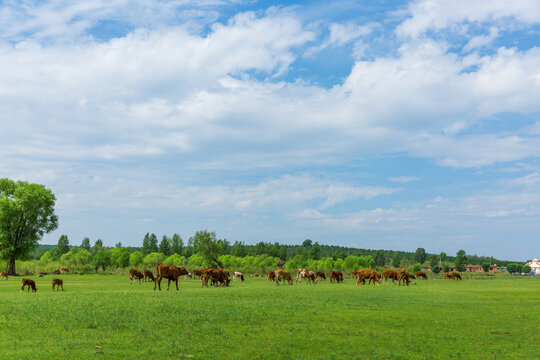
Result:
[
  {"x": 341, "y": 34},
  {"x": 403, "y": 179},
  {"x": 437, "y": 15}
]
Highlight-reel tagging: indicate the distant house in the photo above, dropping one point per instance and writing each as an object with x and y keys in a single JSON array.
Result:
[
  {"x": 478, "y": 268},
  {"x": 535, "y": 266}
]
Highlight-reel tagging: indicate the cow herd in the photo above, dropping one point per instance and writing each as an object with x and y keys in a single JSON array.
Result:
[{"x": 221, "y": 277}]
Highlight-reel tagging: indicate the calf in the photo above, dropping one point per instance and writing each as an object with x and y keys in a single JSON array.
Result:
[
  {"x": 31, "y": 284},
  {"x": 421, "y": 274},
  {"x": 335, "y": 276},
  {"x": 64, "y": 270},
  {"x": 283, "y": 275},
  {"x": 169, "y": 272},
  {"x": 403, "y": 274},
  {"x": 4, "y": 274},
  {"x": 148, "y": 275},
  {"x": 216, "y": 276},
  {"x": 135, "y": 274},
  {"x": 448, "y": 275},
  {"x": 455, "y": 276},
  {"x": 305, "y": 274},
  {"x": 197, "y": 273},
  {"x": 58, "y": 283},
  {"x": 320, "y": 274},
  {"x": 389, "y": 274},
  {"x": 367, "y": 274},
  {"x": 271, "y": 276},
  {"x": 238, "y": 275}
]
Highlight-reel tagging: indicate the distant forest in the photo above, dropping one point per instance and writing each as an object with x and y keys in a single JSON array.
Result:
[{"x": 308, "y": 249}]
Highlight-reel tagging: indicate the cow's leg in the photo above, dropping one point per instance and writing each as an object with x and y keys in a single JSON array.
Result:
[
  {"x": 176, "y": 283},
  {"x": 168, "y": 284}
]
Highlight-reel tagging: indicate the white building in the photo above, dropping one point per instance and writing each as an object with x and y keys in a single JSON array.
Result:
[{"x": 535, "y": 266}]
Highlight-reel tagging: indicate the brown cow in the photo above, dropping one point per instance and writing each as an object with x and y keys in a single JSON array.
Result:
[
  {"x": 335, "y": 276},
  {"x": 4, "y": 274},
  {"x": 367, "y": 274},
  {"x": 389, "y": 274},
  {"x": 169, "y": 272},
  {"x": 271, "y": 276},
  {"x": 216, "y": 276},
  {"x": 403, "y": 274},
  {"x": 58, "y": 283},
  {"x": 135, "y": 274},
  {"x": 320, "y": 274},
  {"x": 197, "y": 273},
  {"x": 421, "y": 274},
  {"x": 456, "y": 276},
  {"x": 283, "y": 275},
  {"x": 148, "y": 275},
  {"x": 447, "y": 275},
  {"x": 64, "y": 270},
  {"x": 31, "y": 284}
]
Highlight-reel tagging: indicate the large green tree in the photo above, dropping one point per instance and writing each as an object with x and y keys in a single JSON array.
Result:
[
  {"x": 210, "y": 247},
  {"x": 26, "y": 214},
  {"x": 165, "y": 246},
  {"x": 396, "y": 260},
  {"x": 461, "y": 260},
  {"x": 177, "y": 245},
  {"x": 85, "y": 244},
  {"x": 379, "y": 258},
  {"x": 420, "y": 255}
]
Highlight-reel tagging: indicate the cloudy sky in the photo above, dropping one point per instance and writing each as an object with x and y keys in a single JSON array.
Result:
[{"x": 374, "y": 124}]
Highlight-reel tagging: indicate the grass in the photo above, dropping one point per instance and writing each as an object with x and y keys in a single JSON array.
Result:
[{"x": 104, "y": 317}]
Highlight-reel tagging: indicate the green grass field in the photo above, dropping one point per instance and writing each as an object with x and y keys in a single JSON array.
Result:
[{"x": 104, "y": 317}]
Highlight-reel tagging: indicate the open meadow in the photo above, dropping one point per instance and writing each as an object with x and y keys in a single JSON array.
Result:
[{"x": 104, "y": 317}]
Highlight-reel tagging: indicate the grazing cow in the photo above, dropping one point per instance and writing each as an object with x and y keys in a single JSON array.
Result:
[
  {"x": 305, "y": 274},
  {"x": 283, "y": 275},
  {"x": 335, "y": 276},
  {"x": 389, "y": 274},
  {"x": 455, "y": 276},
  {"x": 320, "y": 274},
  {"x": 148, "y": 275},
  {"x": 238, "y": 275},
  {"x": 421, "y": 274},
  {"x": 271, "y": 276},
  {"x": 197, "y": 273},
  {"x": 4, "y": 274},
  {"x": 403, "y": 274},
  {"x": 58, "y": 283},
  {"x": 64, "y": 270},
  {"x": 135, "y": 274},
  {"x": 31, "y": 284},
  {"x": 216, "y": 276},
  {"x": 367, "y": 274},
  {"x": 169, "y": 272}
]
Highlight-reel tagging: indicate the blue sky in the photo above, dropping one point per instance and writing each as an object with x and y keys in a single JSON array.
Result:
[{"x": 374, "y": 124}]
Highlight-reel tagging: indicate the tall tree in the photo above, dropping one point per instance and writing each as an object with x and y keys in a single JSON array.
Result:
[
  {"x": 98, "y": 245},
  {"x": 442, "y": 257},
  {"x": 177, "y": 245},
  {"x": 153, "y": 244},
  {"x": 211, "y": 248},
  {"x": 26, "y": 214},
  {"x": 379, "y": 258},
  {"x": 63, "y": 244},
  {"x": 315, "y": 251},
  {"x": 307, "y": 243},
  {"x": 420, "y": 255},
  {"x": 396, "y": 260},
  {"x": 146, "y": 244},
  {"x": 85, "y": 244},
  {"x": 118, "y": 245},
  {"x": 165, "y": 246},
  {"x": 434, "y": 263},
  {"x": 461, "y": 260}
]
